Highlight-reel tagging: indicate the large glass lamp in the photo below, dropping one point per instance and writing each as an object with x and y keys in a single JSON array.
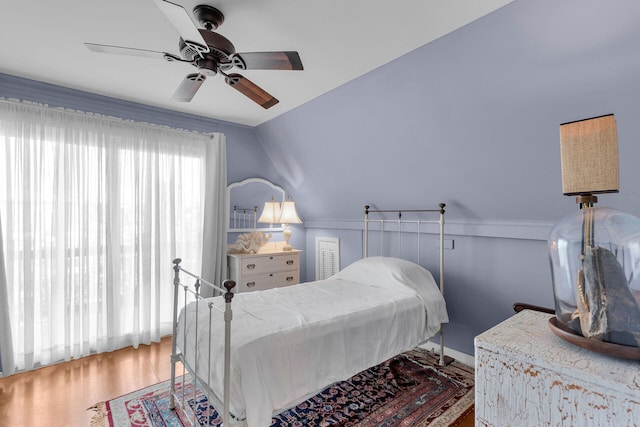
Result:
[
  {"x": 595, "y": 251},
  {"x": 288, "y": 216}
]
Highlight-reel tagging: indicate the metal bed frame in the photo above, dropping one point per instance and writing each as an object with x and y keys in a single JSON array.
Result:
[{"x": 228, "y": 285}]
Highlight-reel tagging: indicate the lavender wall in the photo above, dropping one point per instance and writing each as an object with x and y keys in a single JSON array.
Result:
[{"x": 472, "y": 120}]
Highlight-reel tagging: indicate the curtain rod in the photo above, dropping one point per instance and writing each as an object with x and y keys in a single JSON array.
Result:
[{"x": 80, "y": 113}]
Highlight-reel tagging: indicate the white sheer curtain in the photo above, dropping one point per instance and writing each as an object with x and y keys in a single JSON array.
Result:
[
  {"x": 216, "y": 221},
  {"x": 94, "y": 209},
  {"x": 6, "y": 345}
]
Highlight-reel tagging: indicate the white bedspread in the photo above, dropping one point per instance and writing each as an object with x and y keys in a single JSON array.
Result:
[{"x": 289, "y": 343}]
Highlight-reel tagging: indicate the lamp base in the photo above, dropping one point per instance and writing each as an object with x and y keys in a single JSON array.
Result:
[
  {"x": 287, "y": 235},
  {"x": 604, "y": 347}
]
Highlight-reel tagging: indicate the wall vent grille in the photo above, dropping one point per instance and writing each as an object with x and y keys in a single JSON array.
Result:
[{"x": 327, "y": 257}]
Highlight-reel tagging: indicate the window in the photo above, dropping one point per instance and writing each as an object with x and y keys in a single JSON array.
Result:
[{"x": 93, "y": 211}]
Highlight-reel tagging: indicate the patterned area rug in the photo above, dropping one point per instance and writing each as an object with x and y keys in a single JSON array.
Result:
[{"x": 409, "y": 390}]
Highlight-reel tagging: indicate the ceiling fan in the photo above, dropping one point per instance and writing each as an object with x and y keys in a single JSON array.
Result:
[{"x": 211, "y": 53}]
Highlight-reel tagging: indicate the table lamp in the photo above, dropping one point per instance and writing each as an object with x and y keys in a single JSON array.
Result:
[
  {"x": 595, "y": 251},
  {"x": 288, "y": 216}
]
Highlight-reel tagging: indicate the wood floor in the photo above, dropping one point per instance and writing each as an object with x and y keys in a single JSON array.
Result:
[{"x": 59, "y": 395}]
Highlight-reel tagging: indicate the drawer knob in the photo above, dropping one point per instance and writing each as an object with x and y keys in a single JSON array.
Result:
[
  {"x": 270, "y": 257},
  {"x": 290, "y": 262},
  {"x": 251, "y": 284},
  {"x": 270, "y": 274},
  {"x": 290, "y": 279},
  {"x": 251, "y": 266}
]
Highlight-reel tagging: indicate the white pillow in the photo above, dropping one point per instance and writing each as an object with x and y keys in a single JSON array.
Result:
[
  {"x": 385, "y": 271},
  {"x": 388, "y": 272}
]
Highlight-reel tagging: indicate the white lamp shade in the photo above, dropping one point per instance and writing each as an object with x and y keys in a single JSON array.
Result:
[
  {"x": 270, "y": 213},
  {"x": 589, "y": 156},
  {"x": 289, "y": 214}
]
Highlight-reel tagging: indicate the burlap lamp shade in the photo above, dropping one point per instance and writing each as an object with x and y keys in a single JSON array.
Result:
[{"x": 589, "y": 156}]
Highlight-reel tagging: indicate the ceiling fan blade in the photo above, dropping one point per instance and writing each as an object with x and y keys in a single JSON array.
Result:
[
  {"x": 188, "y": 87},
  {"x": 251, "y": 90},
  {"x": 267, "y": 61},
  {"x": 103, "y": 48},
  {"x": 182, "y": 22}
]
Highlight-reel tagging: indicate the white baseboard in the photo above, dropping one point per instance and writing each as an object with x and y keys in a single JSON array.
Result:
[{"x": 464, "y": 358}]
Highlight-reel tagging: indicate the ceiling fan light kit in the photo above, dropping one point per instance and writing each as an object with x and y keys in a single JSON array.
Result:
[{"x": 210, "y": 53}]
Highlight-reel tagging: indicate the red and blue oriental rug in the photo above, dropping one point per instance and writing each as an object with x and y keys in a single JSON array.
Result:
[{"x": 409, "y": 390}]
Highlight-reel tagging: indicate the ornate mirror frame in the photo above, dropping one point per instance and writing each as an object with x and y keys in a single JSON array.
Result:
[{"x": 253, "y": 207}]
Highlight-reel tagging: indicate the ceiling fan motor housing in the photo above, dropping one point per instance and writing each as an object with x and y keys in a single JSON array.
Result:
[{"x": 220, "y": 50}]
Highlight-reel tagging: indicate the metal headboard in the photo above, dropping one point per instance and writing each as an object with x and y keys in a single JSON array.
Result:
[
  {"x": 397, "y": 223},
  {"x": 242, "y": 216},
  {"x": 399, "y": 229}
]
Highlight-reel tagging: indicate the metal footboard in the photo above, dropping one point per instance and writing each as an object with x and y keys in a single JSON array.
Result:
[{"x": 181, "y": 357}]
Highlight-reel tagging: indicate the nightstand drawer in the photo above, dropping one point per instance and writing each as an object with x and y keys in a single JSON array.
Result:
[
  {"x": 268, "y": 281},
  {"x": 268, "y": 264}
]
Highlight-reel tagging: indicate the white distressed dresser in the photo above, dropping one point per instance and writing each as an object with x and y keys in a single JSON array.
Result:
[
  {"x": 527, "y": 376},
  {"x": 264, "y": 270}
]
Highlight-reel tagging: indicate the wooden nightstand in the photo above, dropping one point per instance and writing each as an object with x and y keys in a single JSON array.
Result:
[{"x": 264, "y": 270}]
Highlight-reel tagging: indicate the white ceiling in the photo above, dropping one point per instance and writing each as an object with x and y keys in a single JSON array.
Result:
[{"x": 338, "y": 40}]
